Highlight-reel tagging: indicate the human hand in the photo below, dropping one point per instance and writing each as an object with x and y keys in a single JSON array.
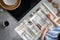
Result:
[{"x": 49, "y": 15}]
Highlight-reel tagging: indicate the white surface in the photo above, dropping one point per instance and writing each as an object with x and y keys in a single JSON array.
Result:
[{"x": 9, "y": 2}]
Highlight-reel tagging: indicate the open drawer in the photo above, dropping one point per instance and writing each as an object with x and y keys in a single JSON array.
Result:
[{"x": 32, "y": 24}]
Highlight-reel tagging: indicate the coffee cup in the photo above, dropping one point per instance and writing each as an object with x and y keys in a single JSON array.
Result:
[{"x": 10, "y": 4}]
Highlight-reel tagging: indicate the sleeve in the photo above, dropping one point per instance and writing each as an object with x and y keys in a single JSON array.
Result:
[{"x": 57, "y": 28}]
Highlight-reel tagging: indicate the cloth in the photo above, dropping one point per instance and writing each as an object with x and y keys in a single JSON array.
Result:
[{"x": 52, "y": 33}]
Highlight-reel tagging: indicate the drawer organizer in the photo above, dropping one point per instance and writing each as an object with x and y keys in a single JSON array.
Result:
[{"x": 32, "y": 24}]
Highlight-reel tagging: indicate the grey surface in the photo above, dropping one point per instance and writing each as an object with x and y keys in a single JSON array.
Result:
[{"x": 8, "y": 33}]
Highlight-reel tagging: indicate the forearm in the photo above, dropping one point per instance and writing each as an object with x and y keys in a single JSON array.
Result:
[{"x": 44, "y": 33}]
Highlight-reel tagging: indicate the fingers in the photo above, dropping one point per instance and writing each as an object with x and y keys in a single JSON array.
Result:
[{"x": 48, "y": 15}]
